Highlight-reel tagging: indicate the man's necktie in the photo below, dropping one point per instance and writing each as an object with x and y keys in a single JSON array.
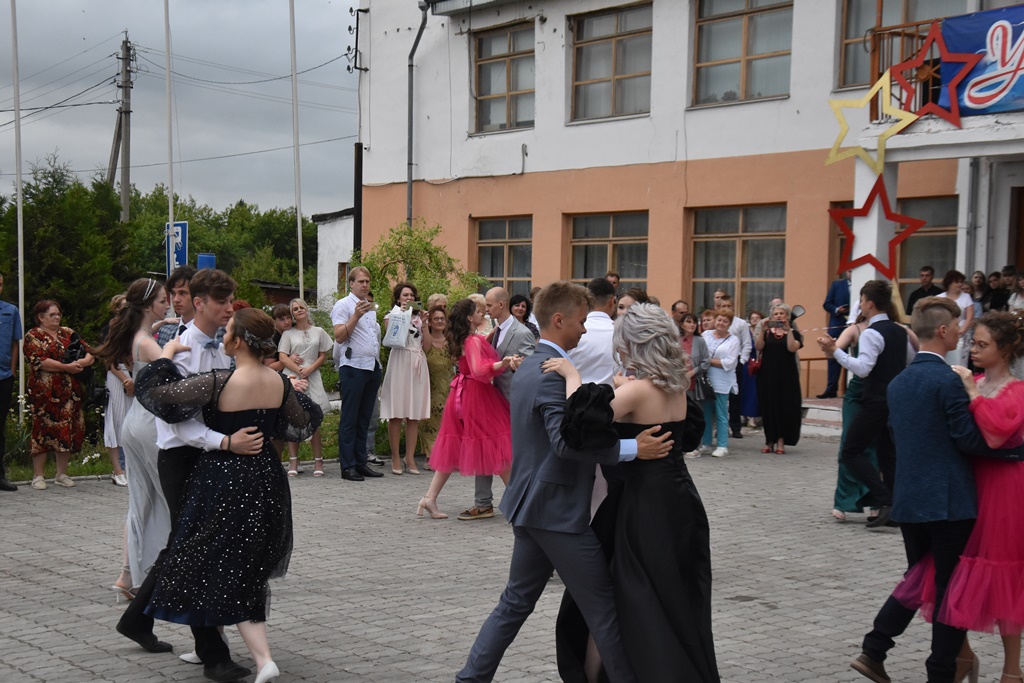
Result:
[{"x": 497, "y": 336}]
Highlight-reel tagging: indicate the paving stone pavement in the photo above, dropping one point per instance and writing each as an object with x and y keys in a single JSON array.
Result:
[{"x": 378, "y": 594}]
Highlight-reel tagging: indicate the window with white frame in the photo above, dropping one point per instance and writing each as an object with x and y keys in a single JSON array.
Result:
[
  {"x": 934, "y": 244},
  {"x": 610, "y": 242},
  {"x": 743, "y": 50},
  {"x": 741, "y": 250},
  {"x": 505, "y": 252},
  {"x": 504, "y": 68},
  {"x": 612, "y": 63}
]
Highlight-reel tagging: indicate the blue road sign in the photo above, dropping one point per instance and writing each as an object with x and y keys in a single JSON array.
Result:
[{"x": 176, "y": 240}]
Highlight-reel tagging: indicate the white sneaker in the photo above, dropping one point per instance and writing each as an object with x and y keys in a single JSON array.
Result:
[
  {"x": 119, "y": 479},
  {"x": 191, "y": 658},
  {"x": 692, "y": 455},
  {"x": 64, "y": 480},
  {"x": 719, "y": 452},
  {"x": 39, "y": 484}
]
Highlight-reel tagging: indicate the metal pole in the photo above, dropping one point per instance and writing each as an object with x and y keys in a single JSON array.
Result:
[
  {"x": 412, "y": 53},
  {"x": 295, "y": 143},
  {"x": 19, "y": 200},
  {"x": 170, "y": 140}
]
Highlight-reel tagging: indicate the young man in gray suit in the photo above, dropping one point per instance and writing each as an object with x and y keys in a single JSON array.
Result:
[
  {"x": 509, "y": 338},
  {"x": 547, "y": 500}
]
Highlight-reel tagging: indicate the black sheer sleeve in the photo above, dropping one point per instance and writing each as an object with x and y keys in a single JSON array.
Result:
[
  {"x": 299, "y": 416},
  {"x": 162, "y": 390},
  {"x": 587, "y": 423}
]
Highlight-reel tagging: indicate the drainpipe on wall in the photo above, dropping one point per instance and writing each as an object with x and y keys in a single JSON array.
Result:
[{"x": 424, "y": 5}]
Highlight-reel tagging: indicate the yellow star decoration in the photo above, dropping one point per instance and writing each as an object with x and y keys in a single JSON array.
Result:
[{"x": 903, "y": 119}]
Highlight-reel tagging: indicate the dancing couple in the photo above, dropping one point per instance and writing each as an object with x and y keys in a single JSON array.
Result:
[
  {"x": 664, "y": 605},
  {"x": 964, "y": 545}
]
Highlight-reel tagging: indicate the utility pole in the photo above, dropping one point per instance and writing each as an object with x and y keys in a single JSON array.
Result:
[{"x": 123, "y": 130}]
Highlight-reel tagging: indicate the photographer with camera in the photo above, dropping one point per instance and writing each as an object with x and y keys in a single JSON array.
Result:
[{"x": 778, "y": 382}]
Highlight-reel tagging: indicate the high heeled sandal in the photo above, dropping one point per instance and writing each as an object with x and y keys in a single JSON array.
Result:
[
  {"x": 411, "y": 469},
  {"x": 318, "y": 467},
  {"x": 967, "y": 669},
  {"x": 122, "y": 592},
  {"x": 431, "y": 509},
  {"x": 293, "y": 467}
]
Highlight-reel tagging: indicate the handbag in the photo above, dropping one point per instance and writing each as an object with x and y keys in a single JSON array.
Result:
[
  {"x": 753, "y": 367},
  {"x": 397, "y": 334},
  {"x": 702, "y": 389},
  {"x": 76, "y": 350}
]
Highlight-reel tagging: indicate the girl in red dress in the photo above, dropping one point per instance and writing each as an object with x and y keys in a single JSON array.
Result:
[{"x": 475, "y": 436}]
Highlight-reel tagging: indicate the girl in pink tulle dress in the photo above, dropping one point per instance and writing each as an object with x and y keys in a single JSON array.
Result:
[
  {"x": 475, "y": 436},
  {"x": 986, "y": 590}
]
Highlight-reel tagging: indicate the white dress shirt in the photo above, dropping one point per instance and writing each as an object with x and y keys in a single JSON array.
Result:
[
  {"x": 740, "y": 329},
  {"x": 364, "y": 340},
  {"x": 201, "y": 358},
  {"x": 501, "y": 328},
  {"x": 870, "y": 345},
  {"x": 593, "y": 355}
]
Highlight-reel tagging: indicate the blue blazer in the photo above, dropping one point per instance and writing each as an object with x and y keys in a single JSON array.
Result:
[
  {"x": 838, "y": 295},
  {"x": 551, "y": 484},
  {"x": 934, "y": 432}
]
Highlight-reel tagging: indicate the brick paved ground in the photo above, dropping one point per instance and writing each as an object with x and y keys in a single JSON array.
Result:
[{"x": 377, "y": 594}]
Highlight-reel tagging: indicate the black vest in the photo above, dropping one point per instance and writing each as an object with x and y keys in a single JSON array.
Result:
[{"x": 891, "y": 360}]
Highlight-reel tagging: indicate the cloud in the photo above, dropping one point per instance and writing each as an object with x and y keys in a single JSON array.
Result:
[{"x": 66, "y": 47}]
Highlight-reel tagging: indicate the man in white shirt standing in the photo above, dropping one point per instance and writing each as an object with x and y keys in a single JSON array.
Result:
[
  {"x": 593, "y": 356},
  {"x": 357, "y": 354},
  {"x": 181, "y": 445},
  {"x": 740, "y": 329}
]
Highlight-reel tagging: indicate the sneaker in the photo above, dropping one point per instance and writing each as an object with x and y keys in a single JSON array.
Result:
[
  {"x": 374, "y": 460},
  {"x": 64, "y": 480},
  {"x": 476, "y": 513},
  {"x": 119, "y": 479},
  {"x": 39, "y": 484},
  {"x": 719, "y": 452},
  {"x": 692, "y": 455}
]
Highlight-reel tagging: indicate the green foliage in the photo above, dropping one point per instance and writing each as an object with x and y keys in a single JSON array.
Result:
[{"x": 409, "y": 254}]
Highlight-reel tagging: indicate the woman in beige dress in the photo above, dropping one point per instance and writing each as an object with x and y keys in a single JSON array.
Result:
[{"x": 441, "y": 370}]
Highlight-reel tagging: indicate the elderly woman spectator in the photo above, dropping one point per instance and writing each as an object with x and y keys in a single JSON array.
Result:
[
  {"x": 56, "y": 357},
  {"x": 778, "y": 382},
  {"x": 521, "y": 308},
  {"x": 120, "y": 390},
  {"x": 405, "y": 391},
  {"x": 724, "y": 350},
  {"x": 487, "y": 325},
  {"x": 441, "y": 370}
]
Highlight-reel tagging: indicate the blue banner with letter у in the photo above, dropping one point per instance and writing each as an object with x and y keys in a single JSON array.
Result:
[{"x": 996, "y": 83}]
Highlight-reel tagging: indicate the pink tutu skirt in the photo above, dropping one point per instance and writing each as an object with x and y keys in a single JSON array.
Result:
[
  {"x": 986, "y": 590},
  {"x": 476, "y": 435}
]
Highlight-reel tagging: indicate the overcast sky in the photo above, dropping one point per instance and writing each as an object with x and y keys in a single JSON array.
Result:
[{"x": 66, "y": 47}]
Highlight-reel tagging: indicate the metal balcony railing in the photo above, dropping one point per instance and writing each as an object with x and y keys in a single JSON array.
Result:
[{"x": 891, "y": 45}]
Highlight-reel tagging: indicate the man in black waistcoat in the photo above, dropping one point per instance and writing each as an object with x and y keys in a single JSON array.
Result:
[{"x": 884, "y": 350}]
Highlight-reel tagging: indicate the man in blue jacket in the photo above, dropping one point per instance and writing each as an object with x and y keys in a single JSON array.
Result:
[
  {"x": 934, "y": 498},
  {"x": 837, "y": 303}
]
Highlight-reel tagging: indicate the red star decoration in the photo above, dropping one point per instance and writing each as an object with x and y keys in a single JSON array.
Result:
[
  {"x": 840, "y": 216},
  {"x": 968, "y": 60}
]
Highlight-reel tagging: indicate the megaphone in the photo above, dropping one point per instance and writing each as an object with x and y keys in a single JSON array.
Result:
[{"x": 797, "y": 311}]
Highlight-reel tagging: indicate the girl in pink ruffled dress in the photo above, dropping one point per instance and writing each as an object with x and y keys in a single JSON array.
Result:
[
  {"x": 475, "y": 436},
  {"x": 986, "y": 591}
]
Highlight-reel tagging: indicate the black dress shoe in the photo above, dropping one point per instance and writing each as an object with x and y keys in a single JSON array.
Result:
[
  {"x": 351, "y": 474},
  {"x": 367, "y": 472},
  {"x": 737, "y": 434},
  {"x": 226, "y": 671},
  {"x": 147, "y": 641},
  {"x": 881, "y": 519},
  {"x": 7, "y": 486},
  {"x": 826, "y": 395}
]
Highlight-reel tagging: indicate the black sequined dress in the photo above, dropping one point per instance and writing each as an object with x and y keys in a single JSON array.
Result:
[{"x": 235, "y": 528}]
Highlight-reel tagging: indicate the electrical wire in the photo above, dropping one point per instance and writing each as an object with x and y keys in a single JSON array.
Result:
[
  {"x": 55, "y": 104},
  {"x": 63, "y": 61},
  {"x": 223, "y": 156},
  {"x": 24, "y": 93}
]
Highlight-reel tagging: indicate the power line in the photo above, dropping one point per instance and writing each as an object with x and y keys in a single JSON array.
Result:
[
  {"x": 105, "y": 58},
  {"x": 60, "y": 106},
  {"x": 262, "y": 80},
  {"x": 55, "y": 104},
  {"x": 227, "y": 156},
  {"x": 88, "y": 49}
]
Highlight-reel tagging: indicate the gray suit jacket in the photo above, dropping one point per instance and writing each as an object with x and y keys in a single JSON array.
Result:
[
  {"x": 551, "y": 484},
  {"x": 517, "y": 340}
]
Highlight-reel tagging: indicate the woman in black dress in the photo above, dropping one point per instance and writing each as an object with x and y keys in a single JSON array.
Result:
[
  {"x": 778, "y": 382},
  {"x": 652, "y": 525},
  {"x": 235, "y": 528}
]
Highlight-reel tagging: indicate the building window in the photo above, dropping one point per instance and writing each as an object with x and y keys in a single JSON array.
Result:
[
  {"x": 933, "y": 245},
  {"x": 743, "y": 50},
  {"x": 860, "y": 17},
  {"x": 505, "y": 251},
  {"x": 504, "y": 79},
  {"x": 741, "y": 250},
  {"x": 610, "y": 242},
  {"x": 612, "y": 63}
]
